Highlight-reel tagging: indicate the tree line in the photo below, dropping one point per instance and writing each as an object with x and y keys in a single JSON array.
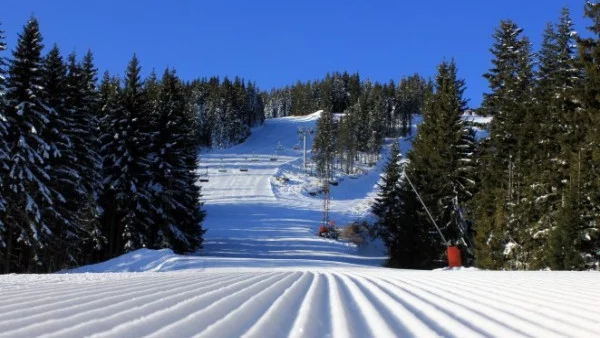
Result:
[
  {"x": 359, "y": 115},
  {"x": 88, "y": 171},
  {"x": 527, "y": 196}
]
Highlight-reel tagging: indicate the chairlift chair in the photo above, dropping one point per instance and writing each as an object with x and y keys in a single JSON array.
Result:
[
  {"x": 204, "y": 176},
  {"x": 222, "y": 169},
  {"x": 244, "y": 168}
]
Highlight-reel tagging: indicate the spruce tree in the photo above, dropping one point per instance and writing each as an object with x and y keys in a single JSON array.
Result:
[
  {"x": 441, "y": 165},
  {"x": 555, "y": 118},
  {"x": 66, "y": 179},
  {"x": 346, "y": 145},
  {"x": 376, "y": 125},
  {"x": 3, "y": 144},
  {"x": 564, "y": 242},
  {"x": 26, "y": 180},
  {"x": 133, "y": 197},
  {"x": 324, "y": 145},
  {"x": 397, "y": 223},
  {"x": 586, "y": 164},
  {"x": 179, "y": 204},
  {"x": 82, "y": 105},
  {"x": 503, "y": 160},
  {"x": 113, "y": 131},
  {"x": 167, "y": 163},
  {"x": 89, "y": 150}
]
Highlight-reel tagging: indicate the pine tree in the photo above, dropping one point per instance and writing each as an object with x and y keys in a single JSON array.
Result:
[
  {"x": 564, "y": 243},
  {"x": 178, "y": 210},
  {"x": 82, "y": 105},
  {"x": 586, "y": 164},
  {"x": 553, "y": 117},
  {"x": 410, "y": 98},
  {"x": 26, "y": 180},
  {"x": 441, "y": 164},
  {"x": 504, "y": 164},
  {"x": 397, "y": 225},
  {"x": 133, "y": 198},
  {"x": 113, "y": 131},
  {"x": 376, "y": 125},
  {"x": 62, "y": 215},
  {"x": 346, "y": 145},
  {"x": 89, "y": 151},
  {"x": 167, "y": 163},
  {"x": 324, "y": 145},
  {"x": 3, "y": 144},
  {"x": 365, "y": 103}
]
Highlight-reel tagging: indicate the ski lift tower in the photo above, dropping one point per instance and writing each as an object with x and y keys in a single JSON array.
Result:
[{"x": 303, "y": 132}]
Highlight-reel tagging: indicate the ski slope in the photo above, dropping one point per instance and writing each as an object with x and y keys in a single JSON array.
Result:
[
  {"x": 265, "y": 273},
  {"x": 251, "y": 215},
  {"x": 300, "y": 302}
]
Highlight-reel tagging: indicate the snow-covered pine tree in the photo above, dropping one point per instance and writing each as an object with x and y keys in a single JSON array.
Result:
[
  {"x": 113, "y": 131},
  {"x": 397, "y": 223},
  {"x": 238, "y": 111},
  {"x": 134, "y": 163},
  {"x": 440, "y": 163},
  {"x": 3, "y": 145},
  {"x": 26, "y": 183},
  {"x": 324, "y": 144},
  {"x": 346, "y": 145},
  {"x": 501, "y": 232},
  {"x": 376, "y": 125},
  {"x": 548, "y": 177},
  {"x": 410, "y": 98},
  {"x": 338, "y": 93},
  {"x": 255, "y": 104},
  {"x": 175, "y": 215},
  {"x": 388, "y": 199},
  {"x": 155, "y": 190},
  {"x": 89, "y": 150},
  {"x": 196, "y": 95},
  {"x": 587, "y": 163},
  {"x": 82, "y": 105},
  {"x": 389, "y": 106},
  {"x": 62, "y": 167},
  {"x": 361, "y": 118}
]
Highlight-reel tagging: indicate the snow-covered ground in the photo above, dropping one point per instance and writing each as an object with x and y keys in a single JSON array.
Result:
[
  {"x": 265, "y": 273},
  {"x": 296, "y": 301}
]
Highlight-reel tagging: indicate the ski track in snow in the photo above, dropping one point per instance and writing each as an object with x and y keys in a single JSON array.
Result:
[
  {"x": 309, "y": 302},
  {"x": 265, "y": 273}
]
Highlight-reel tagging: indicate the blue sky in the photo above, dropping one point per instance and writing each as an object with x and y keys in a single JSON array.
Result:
[{"x": 278, "y": 42}]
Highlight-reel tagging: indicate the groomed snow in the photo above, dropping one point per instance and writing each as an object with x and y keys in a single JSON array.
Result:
[
  {"x": 299, "y": 301},
  {"x": 265, "y": 273}
]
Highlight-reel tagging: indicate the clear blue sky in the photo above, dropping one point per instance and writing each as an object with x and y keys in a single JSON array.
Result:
[{"x": 278, "y": 42}]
